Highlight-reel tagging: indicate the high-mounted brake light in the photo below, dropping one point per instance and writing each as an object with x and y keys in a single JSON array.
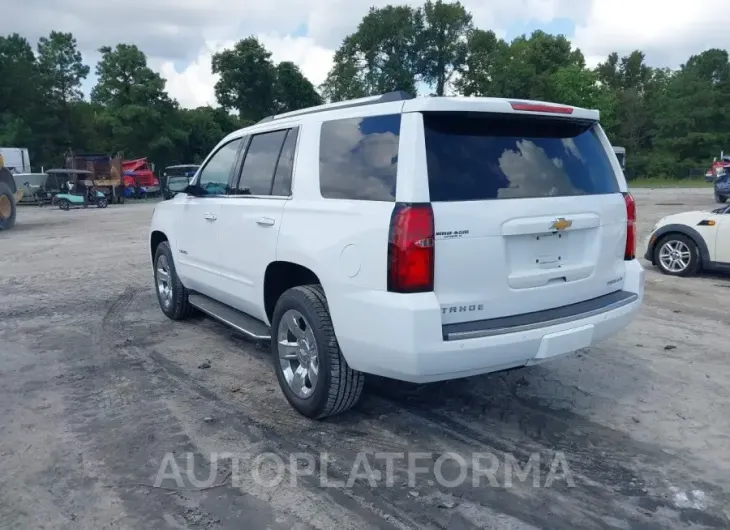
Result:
[
  {"x": 411, "y": 249},
  {"x": 538, "y": 107},
  {"x": 630, "y": 252}
]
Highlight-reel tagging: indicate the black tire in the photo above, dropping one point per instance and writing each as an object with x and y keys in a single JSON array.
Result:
[
  {"x": 179, "y": 307},
  {"x": 63, "y": 204},
  {"x": 7, "y": 221},
  {"x": 694, "y": 263},
  {"x": 720, "y": 198},
  {"x": 102, "y": 203},
  {"x": 339, "y": 387}
]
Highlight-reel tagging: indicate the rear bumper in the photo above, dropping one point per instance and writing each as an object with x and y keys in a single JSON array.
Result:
[{"x": 402, "y": 337}]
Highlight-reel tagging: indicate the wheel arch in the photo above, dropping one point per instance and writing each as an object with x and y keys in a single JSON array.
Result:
[
  {"x": 156, "y": 237},
  {"x": 685, "y": 230},
  {"x": 281, "y": 276}
]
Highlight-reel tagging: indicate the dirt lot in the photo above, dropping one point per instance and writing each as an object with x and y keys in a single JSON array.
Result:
[{"x": 97, "y": 387}]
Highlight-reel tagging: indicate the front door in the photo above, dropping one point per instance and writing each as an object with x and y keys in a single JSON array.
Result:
[
  {"x": 722, "y": 239},
  {"x": 251, "y": 217},
  {"x": 197, "y": 253}
]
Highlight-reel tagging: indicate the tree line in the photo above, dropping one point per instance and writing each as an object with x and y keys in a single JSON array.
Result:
[{"x": 669, "y": 120}]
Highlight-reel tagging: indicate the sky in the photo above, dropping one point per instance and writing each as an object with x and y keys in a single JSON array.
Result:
[{"x": 180, "y": 36}]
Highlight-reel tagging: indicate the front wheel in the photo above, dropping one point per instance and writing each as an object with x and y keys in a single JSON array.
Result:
[
  {"x": 64, "y": 204},
  {"x": 677, "y": 255},
  {"x": 720, "y": 198},
  {"x": 102, "y": 203},
  {"x": 8, "y": 208},
  {"x": 310, "y": 367},
  {"x": 171, "y": 293}
]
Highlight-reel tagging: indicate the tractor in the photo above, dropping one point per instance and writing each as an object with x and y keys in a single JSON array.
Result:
[{"x": 10, "y": 196}]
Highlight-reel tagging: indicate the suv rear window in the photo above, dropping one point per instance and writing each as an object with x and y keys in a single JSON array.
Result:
[{"x": 478, "y": 157}]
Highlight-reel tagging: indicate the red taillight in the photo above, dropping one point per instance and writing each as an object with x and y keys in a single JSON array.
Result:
[
  {"x": 411, "y": 249},
  {"x": 630, "y": 252},
  {"x": 539, "y": 107}
]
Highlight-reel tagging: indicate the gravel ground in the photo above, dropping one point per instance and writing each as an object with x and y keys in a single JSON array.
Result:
[{"x": 100, "y": 393}]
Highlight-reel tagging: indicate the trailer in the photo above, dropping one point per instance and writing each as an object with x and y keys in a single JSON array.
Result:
[
  {"x": 106, "y": 173},
  {"x": 15, "y": 159}
]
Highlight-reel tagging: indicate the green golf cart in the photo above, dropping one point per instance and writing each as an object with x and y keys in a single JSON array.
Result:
[{"x": 80, "y": 190}]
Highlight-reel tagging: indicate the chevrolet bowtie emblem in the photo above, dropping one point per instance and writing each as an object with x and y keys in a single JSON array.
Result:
[{"x": 561, "y": 224}]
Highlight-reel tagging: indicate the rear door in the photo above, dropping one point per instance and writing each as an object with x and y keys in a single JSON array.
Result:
[
  {"x": 251, "y": 217},
  {"x": 528, "y": 213}
]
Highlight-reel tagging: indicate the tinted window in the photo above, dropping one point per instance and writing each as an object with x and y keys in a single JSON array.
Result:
[
  {"x": 508, "y": 157},
  {"x": 282, "y": 178},
  {"x": 358, "y": 158},
  {"x": 260, "y": 162},
  {"x": 214, "y": 176}
]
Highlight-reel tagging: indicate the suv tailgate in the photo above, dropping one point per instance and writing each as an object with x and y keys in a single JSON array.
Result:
[{"x": 528, "y": 213}]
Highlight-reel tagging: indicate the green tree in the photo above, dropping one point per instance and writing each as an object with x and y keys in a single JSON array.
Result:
[
  {"x": 19, "y": 96},
  {"x": 293, "y": 90},
  {"x": 61, "y": 64},
  {"x": 247, "y": 80},
  {"x": 125, "y": 79},
  {"x": 520, "y": 69},
  {"x": 573, "y": 85},
  {"x": 443, "y": 42},
  {"x": 139, "y": 119},
  {"x": 62, "y": 70},
  {"x": 486, "y": 55},
  {"x": 383, "y": 54},
  {"x": 691, "y": 115}
]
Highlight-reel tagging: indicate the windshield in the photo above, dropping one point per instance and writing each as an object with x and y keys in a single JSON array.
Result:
[
  {"x": 480, "y": 157},
  {"x": 177, "y": 183},
  {"x": 181, "y": 171}
]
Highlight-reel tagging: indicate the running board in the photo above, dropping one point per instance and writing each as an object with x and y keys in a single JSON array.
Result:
[{"x": 233, "y": 318}]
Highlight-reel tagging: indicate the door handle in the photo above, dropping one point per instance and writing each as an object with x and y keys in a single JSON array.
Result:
[
  {"x": 265, "y": 221},
  {"x": 210, "y": 217}
]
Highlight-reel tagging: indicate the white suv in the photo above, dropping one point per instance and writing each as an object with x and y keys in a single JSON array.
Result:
[{"x": 420, "y": 239}]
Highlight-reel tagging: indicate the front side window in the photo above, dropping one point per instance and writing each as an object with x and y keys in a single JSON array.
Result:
[
  {"x": 214, "y": 176},
  {"x": 358, "y": 158}
]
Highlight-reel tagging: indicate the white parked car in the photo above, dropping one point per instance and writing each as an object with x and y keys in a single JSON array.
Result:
[
  {"x": 685, "y": 243},
  {"x": 420, "y": 239}
]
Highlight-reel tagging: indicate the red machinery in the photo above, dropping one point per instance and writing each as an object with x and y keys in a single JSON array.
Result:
[{"x": 137, "y": 173}]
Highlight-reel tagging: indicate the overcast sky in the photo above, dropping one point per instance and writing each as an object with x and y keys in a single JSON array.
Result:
[{"x": 179, "y": 36}]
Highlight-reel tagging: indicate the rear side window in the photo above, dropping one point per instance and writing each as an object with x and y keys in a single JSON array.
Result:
[
  {"x": 285, "y": 167},
  {"x": 358, "y": 158},
  {"x": 478, "y": 157},
  {"x": 260, "y": 163}
]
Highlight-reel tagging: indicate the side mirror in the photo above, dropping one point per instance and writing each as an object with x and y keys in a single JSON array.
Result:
[{"x": 194, "y": 190}]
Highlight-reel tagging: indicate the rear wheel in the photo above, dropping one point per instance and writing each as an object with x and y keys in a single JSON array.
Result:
[
  {"x": 677, "y": 255},
  {"x": 64, "y": 204},
  {"x": 102, "y": 202},
  {"x": 720, "y": 198},
  {"x": 171, "y": 293},
  {"x": 8, "y": 208},
  {"x": 309, "y": 364}
]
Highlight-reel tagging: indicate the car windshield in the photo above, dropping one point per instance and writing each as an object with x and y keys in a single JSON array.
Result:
[
  {"x": 181, "y": 171},
  {"x": 177, "y": 183}
]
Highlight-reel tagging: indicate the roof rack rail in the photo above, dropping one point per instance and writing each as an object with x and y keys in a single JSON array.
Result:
[{"x": 388, "y": 97}]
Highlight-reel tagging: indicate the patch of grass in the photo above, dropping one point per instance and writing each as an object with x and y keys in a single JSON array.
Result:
[{"x": 669, "y": 183}]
